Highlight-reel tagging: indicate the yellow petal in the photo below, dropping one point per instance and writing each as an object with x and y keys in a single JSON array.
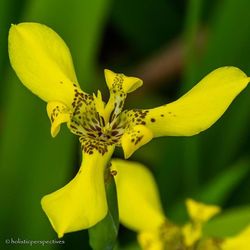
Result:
[
  {"x": 198, "y": 109},
  {"x": 209, "y": 244},
  {"x": 82, "y": 202},
  {"x": 150, "y": 240},
  {"x": 138, "y": 198},
  {"x": 58, "y": 113},
  {"x": 238, "y": 242},
  {"x": 126, "y": 83},
  {"x": 191, "y": 233},
  {"x": 42, "y": 61},
  {"x": 119, "y": 85},
  {"x": 135, "y": 138},
  {"x": 100, "y": 106},
  {"x": 200, "y": 212}
]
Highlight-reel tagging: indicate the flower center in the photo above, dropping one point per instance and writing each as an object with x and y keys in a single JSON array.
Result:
[{"x": 89, "y": 121}]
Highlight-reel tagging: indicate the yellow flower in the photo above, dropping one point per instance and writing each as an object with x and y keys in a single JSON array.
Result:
[
  {"x": 43, "y": 63},
  {"x": 140, "y": 210}
]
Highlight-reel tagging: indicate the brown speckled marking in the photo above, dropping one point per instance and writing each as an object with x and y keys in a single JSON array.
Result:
[
  {"x": 56, "y": 111},
  {"x": 136, "y": 117},
  {"x": 113, "y": 172},
  {"x": 135, "y": 136},
  {"x": 90, "y": 126},
  {"x": 96, "y": 133}
]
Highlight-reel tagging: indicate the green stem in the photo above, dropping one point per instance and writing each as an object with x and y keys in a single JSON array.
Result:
[{"x": 104, "y": 234}]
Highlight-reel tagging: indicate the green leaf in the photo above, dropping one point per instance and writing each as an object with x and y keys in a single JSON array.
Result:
[
  {"x": 32, "y": 163},
  {"x": 216, "y": 191},
  {"x": 229, "y": 223},
  {"x": 219, "y": 188},
  {"x": 228, "y": 44},
  {"x": 138, "y": 28},
  {"x": 103, "y": 235}
]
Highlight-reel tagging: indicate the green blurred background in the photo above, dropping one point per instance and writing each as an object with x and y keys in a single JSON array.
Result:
[{"x": 170, "y": 44}]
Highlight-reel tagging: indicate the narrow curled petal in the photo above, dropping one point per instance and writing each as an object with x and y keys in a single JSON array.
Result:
[
  {"x": 138, "y": 197},
  {"x": 119, "y": 86},
  {"x": 200, "y": 212},
  {"x": 126, "y": 83},
  {"x": 135, "y": 138},
  {"x": 82, "y": 202},
  {"x": 239, "y": 242},
  {"x": 42, "y": 61},
  {"x": 99, "y": 104},
  {"x": 198, "y": 109},
  {"x": 58, "y": 113}
]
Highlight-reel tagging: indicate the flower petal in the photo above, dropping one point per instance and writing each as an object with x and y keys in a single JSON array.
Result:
[
  {"x": 58, "y": 113},
  {"x": 191, "y": 233},
  {"x": 126, "y": 83},
  {"x": 198, "y": 109},
  {"x": 135, "y": 138},
  {"x": 138, "y": 198},
  {"x": 239, "y": 242},
  {"x": 42, "y": 61},
  {"x": 82, "y": 202},
  {"x": 119, "y": 86},
  {"x": 200, "y": 212},
  {"x": 150, "y": 240}
]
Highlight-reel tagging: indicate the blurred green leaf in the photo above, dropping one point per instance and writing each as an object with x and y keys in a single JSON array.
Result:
[
  {"x": 103, "y": 235},
  {"x": 228, "y": 44},
  {"x": 190, "y": 147},
  {"x": 9, "y": 11},
  {"x": 216, "y": 191},
  {"x": 132, "y": 246},
  {"x": 219, "y": 188},
  {"x": 147, "y": 19},
  {"x": 32, "y": 163},
  {"x": 80, "y": 24},
  {"x": 229, "y": 223},
  {"x": 192, "y": 27}
]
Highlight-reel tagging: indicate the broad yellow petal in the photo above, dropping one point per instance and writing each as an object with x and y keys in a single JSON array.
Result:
[
  {"x": 198, "y": 109},
  {"x": 58, "y": 113},
  {"x": 138, "y": 198},
  {"x": 238, "y": 242},
  {"x": 42, "y": 62},
  {"x": 82, "y": 202},
  {"x": 200, "y": 212}
]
